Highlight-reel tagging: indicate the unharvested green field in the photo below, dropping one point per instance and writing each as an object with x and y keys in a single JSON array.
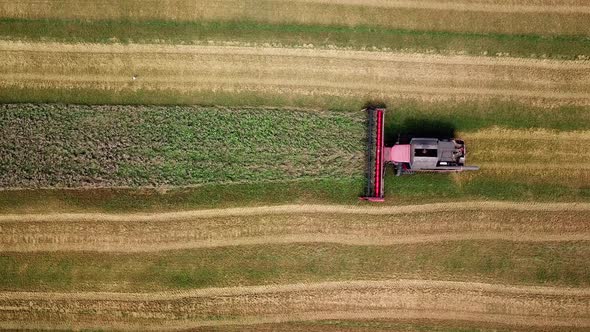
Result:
[
  {"x": 497, "y": 261},
  {"x": 290, "y": 35},
  {"x": 72, "y": 146}
]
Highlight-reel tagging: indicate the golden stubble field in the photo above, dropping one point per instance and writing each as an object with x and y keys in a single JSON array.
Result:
[
  {"x": 392, "y": 299},
  {"x": 430, "y": 223},
  {"x": 292, "y": 72},
  {"x": 547, "y": 307},
  {"x": 540, "y": 282},
  {"x": 522, "y": 154},
  {"x": 543, "y": 156}
]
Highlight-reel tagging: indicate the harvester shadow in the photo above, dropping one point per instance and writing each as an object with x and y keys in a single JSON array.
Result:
[{"x": 417, "y": 127}]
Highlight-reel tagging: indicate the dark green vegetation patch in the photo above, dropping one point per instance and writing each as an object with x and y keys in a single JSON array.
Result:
[{"x": 72, "y": 146}]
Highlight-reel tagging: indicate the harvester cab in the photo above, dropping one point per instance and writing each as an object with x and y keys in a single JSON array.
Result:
[{"x": 420, "y": 155}]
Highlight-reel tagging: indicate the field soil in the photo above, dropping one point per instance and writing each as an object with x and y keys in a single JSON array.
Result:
[{"x": 291, "y": 73}]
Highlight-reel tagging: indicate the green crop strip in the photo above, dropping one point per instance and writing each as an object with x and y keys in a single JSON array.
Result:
[
  {"x": 72, "y": 146},
  {"x": 507, "y": 262},
  {"x": 292, "y": 35}
]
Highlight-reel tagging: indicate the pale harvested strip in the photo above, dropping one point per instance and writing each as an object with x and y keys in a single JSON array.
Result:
[
  {"x": 350, "y": 229},
  {"x": 540, "y": 155},
  {"x": 380, "y": 324},
  {"x": 145, "y": 236},
  {"x": 117, "y": 243},
  {"x": 291, "y": 72},
  {"x": 309, "y": 52},
  {"x": 582, "y": 167},
  {"x": 534, "y": 147},
  {"x": 514, "y": 305},
  {"x": 528, "y": 134},
  {"x": 290, "y": 209},
  {"x": 346, "y": 318},
  {"x": 490, "y": 6},
  {"x": 552, "y": 174},
  {"x": 540, "y": 17},
  {"x": 294, "y": 89},
  {"x": 167, "y": 234}
]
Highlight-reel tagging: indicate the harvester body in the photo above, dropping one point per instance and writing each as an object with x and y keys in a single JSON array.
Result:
[
  {"x": 429, "y": 155},
  {"x": 420, "y": 155}
]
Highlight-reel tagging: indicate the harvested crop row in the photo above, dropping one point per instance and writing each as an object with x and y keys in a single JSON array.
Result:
[
  {"x": 290, "y": 209},
  {"x": 527, "y": 145},
  {"x": 540, "y": 17},
  {"x": 291, "y": 73},
  {"x": 378, "y": 325},
  {"x": 407, "y": 299},
  {"x": 89, "y": 146},
  {"x": 542, "y": 156},
  {"x": 549, "y": 6},
  {"x": 155, "y": 234}
]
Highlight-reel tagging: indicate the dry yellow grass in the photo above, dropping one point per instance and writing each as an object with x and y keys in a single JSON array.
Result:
[
  {"x": 532, "y": 16},
  {"x": 154, "y": 233},
  {"x": 405, "y": 299},
  {"x": 292, "y": 72}
]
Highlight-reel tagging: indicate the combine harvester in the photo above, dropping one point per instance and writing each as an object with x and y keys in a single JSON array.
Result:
[{"x": 421, "y": 155}]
